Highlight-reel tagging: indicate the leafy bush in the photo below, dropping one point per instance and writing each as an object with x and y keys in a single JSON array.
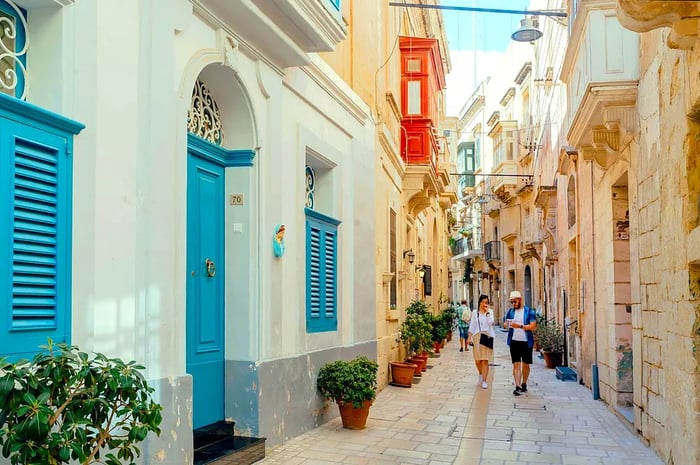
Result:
[
  {"x": 353, "y": 381},
  {"x": 63, "y": 406},
  {"x": 416, "y": 330},
  {"x": 549, "y": 336}
]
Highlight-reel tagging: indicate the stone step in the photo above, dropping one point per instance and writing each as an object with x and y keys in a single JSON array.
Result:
[
  {"x": 216, "y": 441},
  {"x": 566, "y": 374}
]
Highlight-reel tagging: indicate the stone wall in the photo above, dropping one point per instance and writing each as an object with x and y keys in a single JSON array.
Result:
[{"x": 668, "y": 405}]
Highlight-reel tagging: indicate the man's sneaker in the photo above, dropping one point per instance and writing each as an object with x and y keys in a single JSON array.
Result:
[
  {"x": 485, "y": 385},
  {"x": 523, "y": 387},
  {"x": 481, "y": 379},
  {"x": 461, "y": 349},
  {"x": 516, "y": 392}
]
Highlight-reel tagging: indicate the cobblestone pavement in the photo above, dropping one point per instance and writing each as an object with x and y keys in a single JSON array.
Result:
[{"x": 447, "y": 419}]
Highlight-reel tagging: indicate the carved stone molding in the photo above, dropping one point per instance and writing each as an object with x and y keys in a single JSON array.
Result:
[{"x": 646, "y": 15}]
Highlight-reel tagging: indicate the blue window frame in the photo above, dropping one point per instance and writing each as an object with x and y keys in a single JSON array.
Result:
[
  {"x": 321, "y": 272},
  {"x": 336, "y": 4},
  {"x": 13, "y": 63},
  {"x": 35, "y": 226}
]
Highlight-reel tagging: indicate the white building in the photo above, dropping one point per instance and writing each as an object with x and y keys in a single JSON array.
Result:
[{"x": 203, "y": 122}]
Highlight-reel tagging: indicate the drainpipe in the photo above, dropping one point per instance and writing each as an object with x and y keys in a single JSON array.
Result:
[{"x": 594, "y": 367}]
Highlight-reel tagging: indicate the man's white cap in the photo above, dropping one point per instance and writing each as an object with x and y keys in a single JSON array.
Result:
[{"x": 515, "y": 295}]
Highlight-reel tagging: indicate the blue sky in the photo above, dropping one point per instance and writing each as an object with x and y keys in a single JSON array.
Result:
[
  {"x": 484, "y": 31},
  {"x": 477, "y": 41}
]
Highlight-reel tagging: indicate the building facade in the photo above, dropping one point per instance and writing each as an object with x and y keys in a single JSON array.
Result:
[
  {"x": 182, "y": 147},
  {"x": 398, "y": 70}
]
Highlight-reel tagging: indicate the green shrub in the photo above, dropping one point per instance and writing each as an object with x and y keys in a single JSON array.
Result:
[
  {"x": 63, "y": 406},
  {"x": 353, "y": 381}
]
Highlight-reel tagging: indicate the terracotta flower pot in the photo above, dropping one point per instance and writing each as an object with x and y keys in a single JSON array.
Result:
[
  {"x": 353, "y": 417},
  {"x": 425, "y": 358},
  {"x": 552, "y": 359},
  {"x": 419, "y": 362},
  {"x": 402, "y": 373}
]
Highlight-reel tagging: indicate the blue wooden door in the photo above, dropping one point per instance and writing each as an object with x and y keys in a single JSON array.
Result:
[{"x": 205, "y": 288}]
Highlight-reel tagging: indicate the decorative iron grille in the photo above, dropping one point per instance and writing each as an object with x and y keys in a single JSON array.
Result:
[{"x": 203, "y": 117}]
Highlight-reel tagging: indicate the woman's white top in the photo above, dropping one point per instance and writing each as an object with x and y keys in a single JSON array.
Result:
[{"x": 482, "y": 323}]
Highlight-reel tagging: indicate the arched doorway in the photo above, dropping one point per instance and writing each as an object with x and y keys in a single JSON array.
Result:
[
  {"x": 527, "y": 289},
  {"x": 220, "y": 123}
]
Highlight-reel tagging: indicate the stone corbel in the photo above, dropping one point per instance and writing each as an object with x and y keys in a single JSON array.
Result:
[
  {"x": 229, "y": 49},
  {"x": 645, "y": 15},
  {"x": 387, "y": 276},
  {"x": 597, "y": 154}
]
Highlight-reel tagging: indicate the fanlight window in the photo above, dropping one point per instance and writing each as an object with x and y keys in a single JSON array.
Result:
[
  {"x": 203, "y": 117},
  {"x": 310, "y": 184},
  {"x": 13, "y": 50}
]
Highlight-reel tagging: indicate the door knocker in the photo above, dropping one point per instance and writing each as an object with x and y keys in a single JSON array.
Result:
[{"x": 211, "y": 268}]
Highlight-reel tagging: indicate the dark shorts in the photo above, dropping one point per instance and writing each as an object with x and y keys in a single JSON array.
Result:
[{"x": 520, "y": 352}]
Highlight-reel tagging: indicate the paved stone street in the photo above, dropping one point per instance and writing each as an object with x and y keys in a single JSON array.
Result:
[{"x": 446, "y": 419}]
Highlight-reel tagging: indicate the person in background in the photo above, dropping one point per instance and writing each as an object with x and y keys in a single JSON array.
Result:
[
  {"x": 521, "y": 321},
  {"x": 482, "y": 322},
  {"x": 464, "y": 316}
]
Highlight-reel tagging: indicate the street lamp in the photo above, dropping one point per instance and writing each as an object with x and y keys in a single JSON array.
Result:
[{"x": 528, "y": 31}]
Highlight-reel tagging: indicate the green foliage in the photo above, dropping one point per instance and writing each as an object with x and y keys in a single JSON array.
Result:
[
  {"x": 63, "y": 406},
  {"x": 549, "y": 335},
  {"x": 349, "y": 381},
  {"x": 416, "y": 330},
  {"x": 449, "y": 318}
]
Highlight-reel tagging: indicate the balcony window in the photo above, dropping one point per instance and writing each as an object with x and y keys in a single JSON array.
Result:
[{"x": 414, "y": 103}]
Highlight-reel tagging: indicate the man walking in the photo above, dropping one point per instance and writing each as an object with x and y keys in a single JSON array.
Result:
[
  {"x": 521, "y": 321},
  {"x": 464, "y": 316}
]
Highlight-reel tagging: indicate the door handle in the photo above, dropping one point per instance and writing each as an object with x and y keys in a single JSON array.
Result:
[{"x": 211, "y": 268}]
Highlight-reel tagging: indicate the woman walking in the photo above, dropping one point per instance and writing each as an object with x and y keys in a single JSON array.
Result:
[{"x": 482, "y": 323}]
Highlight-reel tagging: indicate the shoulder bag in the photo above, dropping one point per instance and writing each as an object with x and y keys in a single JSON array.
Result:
[{"x": 484, "y": 339}]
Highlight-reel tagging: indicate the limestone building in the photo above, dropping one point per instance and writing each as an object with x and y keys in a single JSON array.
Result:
[{"x": 399, "y": 70}]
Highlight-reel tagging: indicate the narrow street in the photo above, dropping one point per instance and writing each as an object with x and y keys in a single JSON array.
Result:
[{"x": 446, "y": 419}]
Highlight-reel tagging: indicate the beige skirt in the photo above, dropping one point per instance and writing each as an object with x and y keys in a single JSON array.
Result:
[{"x": 481, "y": 352}]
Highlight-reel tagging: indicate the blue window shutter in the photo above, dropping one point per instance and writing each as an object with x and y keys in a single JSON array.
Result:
[
  {"x": 314, "y": 271},
  {"x": 330, "y": 269},
  {"x": 35, "y": 170},
  {"x": 321, "y": 272}
]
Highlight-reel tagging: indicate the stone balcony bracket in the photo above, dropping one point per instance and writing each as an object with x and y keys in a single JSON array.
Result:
[{"x": 683, "y": 17}]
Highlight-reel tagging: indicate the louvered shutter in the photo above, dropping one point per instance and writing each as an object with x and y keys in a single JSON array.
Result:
[
  {"x": 36, "y": 170},
  {"x": 321, "y": 272},
  {"x": 427, "y": 280},
  {"x": 314, "y": 275},
  {"x": 330, "y": 270}
]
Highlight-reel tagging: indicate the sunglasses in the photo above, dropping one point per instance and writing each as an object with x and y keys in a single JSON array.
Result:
[{"x": 513, "y": 300}]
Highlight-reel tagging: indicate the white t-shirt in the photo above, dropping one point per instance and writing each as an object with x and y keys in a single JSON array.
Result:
[{"x": 519, "y": 334}]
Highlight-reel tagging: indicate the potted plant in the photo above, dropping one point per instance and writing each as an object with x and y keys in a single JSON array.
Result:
[
  {"x": 352, "y": 385},
  {"x": 65, "y": 407},
  {"x": 416, "y": 332},
  {"x": 550, "y": 338},
  {"x": 449, "y": 320}
]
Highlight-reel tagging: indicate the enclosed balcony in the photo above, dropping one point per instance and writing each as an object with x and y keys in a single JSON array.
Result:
[
  {"x": 422, "y": 84},
  {"x": 601, "y": 69}
]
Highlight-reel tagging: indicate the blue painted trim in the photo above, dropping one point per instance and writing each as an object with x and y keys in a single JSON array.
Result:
[
  {"x": 20, "y": 111},
  {"x": 326, "y": 275},
  {"x": 336, "y": 4},
  {"x": 219, "y": 155},
  {"x": 321, "y": 217},
  {"x": 54, "y": 147}
]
